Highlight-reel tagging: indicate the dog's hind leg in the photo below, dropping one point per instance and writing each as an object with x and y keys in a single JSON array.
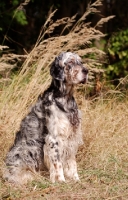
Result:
[{"x": 22, "y": 163}]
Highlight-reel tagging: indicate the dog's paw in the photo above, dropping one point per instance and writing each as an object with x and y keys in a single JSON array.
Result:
[
  {"x": 61, "y": 179},
  {"x": 57, "y": 178},
  {"x": 76, "y": 178}
]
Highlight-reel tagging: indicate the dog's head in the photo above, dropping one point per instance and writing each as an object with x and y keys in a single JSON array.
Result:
[{"x": 68, "y": 67}]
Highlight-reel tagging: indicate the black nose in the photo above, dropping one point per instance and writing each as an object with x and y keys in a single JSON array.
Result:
[{"x": 84, "y": 70}]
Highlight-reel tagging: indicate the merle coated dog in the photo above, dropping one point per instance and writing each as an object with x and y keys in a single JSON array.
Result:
[{"x": 49, "y": 136}]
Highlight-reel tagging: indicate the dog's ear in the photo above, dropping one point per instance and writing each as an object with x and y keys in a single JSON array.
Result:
[{"x": 56, "y": 70}]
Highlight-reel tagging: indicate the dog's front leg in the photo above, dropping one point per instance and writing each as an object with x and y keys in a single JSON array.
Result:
[
  {"x": 54, "y": 163},
  {"x": 56, "y": 171},
  {"x": 70, "y": 169}
]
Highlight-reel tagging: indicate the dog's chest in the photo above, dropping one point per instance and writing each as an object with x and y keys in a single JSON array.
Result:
[
  {"x": 59, "y": 123},
  {"x": 63, "y": 132}
]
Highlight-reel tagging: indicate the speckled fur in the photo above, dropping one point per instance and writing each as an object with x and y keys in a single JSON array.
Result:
[{"x": 49, "y": 136}]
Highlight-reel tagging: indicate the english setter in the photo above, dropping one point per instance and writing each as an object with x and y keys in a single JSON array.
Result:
[{"x": 51, "y": 132}]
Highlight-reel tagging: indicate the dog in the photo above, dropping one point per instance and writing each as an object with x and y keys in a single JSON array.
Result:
[{"x": 49, "y": 136}]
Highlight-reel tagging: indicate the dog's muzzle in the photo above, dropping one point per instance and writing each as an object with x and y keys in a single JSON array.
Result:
[{"x": 85, "y": 74}]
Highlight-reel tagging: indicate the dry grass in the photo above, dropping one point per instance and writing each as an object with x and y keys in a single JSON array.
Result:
[
  {"x": 103, "y": 159},
  {"x": 34, "y": 75}
]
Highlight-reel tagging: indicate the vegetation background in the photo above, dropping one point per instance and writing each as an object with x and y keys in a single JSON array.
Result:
[
  {"x": 21, "y": 22},
  {"x": 32, "y": 33}
]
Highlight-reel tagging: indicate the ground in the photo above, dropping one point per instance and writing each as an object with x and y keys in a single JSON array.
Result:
[{"x": 102, "y": 160}]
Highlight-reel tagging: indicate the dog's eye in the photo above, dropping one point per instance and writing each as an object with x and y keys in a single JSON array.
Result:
[{"x": 71, "y": 62}]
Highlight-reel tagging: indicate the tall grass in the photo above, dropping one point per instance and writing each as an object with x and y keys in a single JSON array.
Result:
[{"x": 34, "y": 75}]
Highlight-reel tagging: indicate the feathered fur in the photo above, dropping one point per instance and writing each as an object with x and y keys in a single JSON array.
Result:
[{"x": 49, "y": 136}]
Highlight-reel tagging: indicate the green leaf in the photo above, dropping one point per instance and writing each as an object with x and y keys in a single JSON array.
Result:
[
  {"x": 110, "y": 67},
  {"x": 111, "y": 52},
  {"x": 21, "y": 17},
  {"x": 15, "y": 2}
]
